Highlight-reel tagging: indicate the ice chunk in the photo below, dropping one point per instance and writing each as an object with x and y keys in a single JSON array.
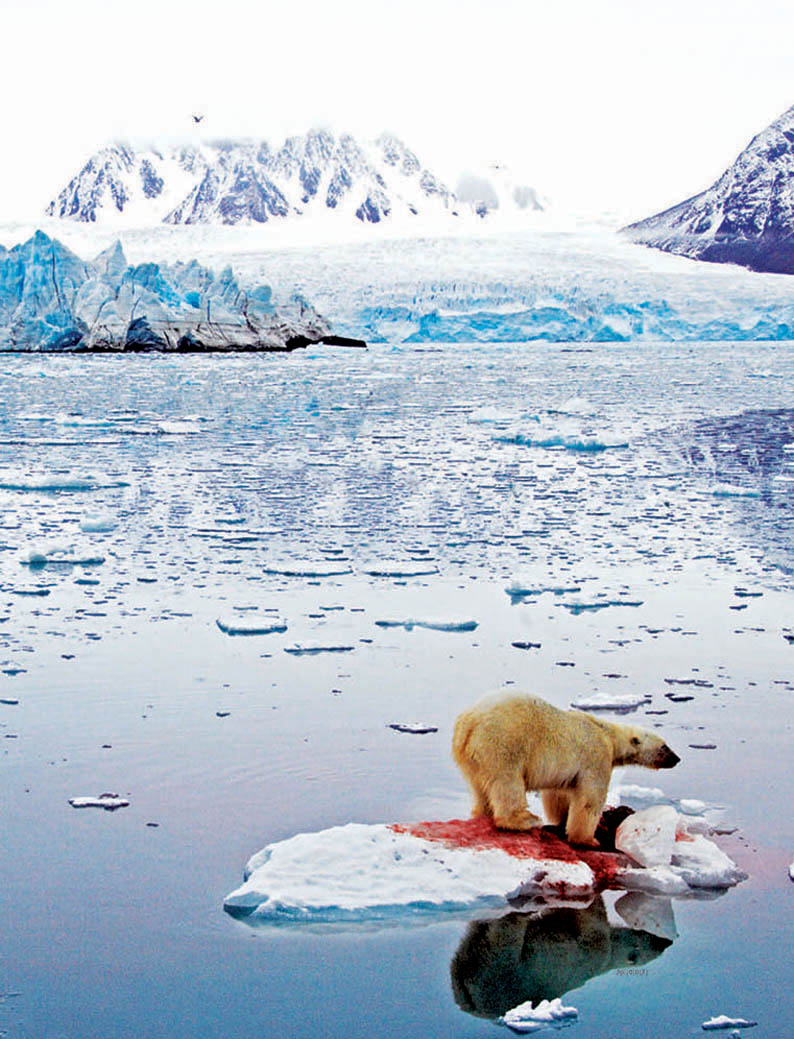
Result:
[
  {"x": 639, "y": 796},
  {"x": 56, "y": 482},
  {"x": 692, "y": 806},
  {"x": 56, "y": 556},
  {"x": 526, "y": 1018},
  {"x": 658, "y": 880},
  {"x": 648, "y": 836},
  {"x": 418, "y": 728},
  {"x": 314, "y": 570},
  {"x": 611, "y": 702},
  {"x": 434, "y": 624},
  {"x": 251, "y": 625},
  {"x": 307, "y": 649},
  {"x": 379, "y": 872},
  {"x": 722, "y": 1021},
  {"x": 110, "y": 802},
  {"x": 403, "y": 570},
  {"x": 98, "y": 523},
  {"x": 702, "y": 864}
]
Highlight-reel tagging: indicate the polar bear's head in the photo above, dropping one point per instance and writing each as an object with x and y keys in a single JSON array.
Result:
[{"x": 635, "y": 746}]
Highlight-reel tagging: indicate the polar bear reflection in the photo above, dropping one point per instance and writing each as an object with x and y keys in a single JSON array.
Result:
[{"x": 504, "y": 962}]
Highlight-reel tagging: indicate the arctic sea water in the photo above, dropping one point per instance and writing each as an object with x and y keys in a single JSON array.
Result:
[{"x": 616, "y": 518}]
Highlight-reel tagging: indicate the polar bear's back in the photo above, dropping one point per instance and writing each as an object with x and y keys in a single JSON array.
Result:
[{"x": 513, "y": 730}]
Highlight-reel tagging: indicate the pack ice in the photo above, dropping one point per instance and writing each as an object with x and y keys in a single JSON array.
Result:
[
  {"x": 51, "y": 300},
  {"x": 364, "y": 872}
]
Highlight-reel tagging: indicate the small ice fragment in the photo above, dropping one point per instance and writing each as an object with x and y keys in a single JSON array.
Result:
[
  {"x": 656, "y": 880},
  {"x": 433, "y": 624},
  {"x": 691, "y": 806},
  {"x": 702, "y": 864},
  {"x": 791, "y": 871},
  {"x": 611, "y": 702},
  {"x": 97, "y": 523},
  {"x": 8, "y": 701},
  {"x": 648, "y": 836},
  {"x": 414, "y": 727},
  {"x": 403, "y": 571},
  {"x": 632, "y": 794},
  {"x": 110, "y": 802},
  {"x": 238, "y": 626},
  {"x": 526, "y": 1018},
  {"x": 727, "y": 1022},
  {"x": 301, "y": 649}
]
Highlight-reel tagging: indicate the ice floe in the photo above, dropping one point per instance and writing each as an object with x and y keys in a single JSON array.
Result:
[
  {"x": 98, "y": 523},
  {"x": 648, "y": 837},
  {"x": 360, "y": 871},
  {"x": 723, "y": 1021},
  {"x": 308, "y": 649},
  {"x": 611, "y": 702},
  {"x": 110, "y": 802},
  {"x": 526, "y": 1018},
  {"x": 433, "y": 623},
  {"x": 58, "y": 556},
  {"x": 314, "y": 570},
  {"x": 371, "y": 872},
  {"x": 56, "y": 482},
  {"x": 251, "y": 625},
  {"x": 417, "y": 728}
]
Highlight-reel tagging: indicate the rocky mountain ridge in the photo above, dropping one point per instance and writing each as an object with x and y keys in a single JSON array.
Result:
[{"x": 746, "y": 217}]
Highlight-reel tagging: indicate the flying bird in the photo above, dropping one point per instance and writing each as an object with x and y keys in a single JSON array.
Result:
[{"x": 197, "y": 118}]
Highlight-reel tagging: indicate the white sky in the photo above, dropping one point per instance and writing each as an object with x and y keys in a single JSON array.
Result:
[{"x": 627, "y": 104}]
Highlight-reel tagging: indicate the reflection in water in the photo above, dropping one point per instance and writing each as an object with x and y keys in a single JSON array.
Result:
[{"x": 533, "y": 956}]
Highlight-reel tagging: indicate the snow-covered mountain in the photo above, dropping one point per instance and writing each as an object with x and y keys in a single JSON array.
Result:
[
  {"x": 746, "y": 217},
  {"x": 248, "y": 181}
]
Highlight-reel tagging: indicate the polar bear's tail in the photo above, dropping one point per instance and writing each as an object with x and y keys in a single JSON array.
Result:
[{"x": 460, "y": 740}]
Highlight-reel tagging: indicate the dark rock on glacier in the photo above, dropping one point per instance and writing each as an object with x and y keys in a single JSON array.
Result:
[
  {"x": 51, "y": 300},
  {"x": 746, "y": 217}
]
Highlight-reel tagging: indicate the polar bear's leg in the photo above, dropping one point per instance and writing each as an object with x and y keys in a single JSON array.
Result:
[
  {"x": 556, "y": 804},
  {"x": 509, "y": 803},
  {"x": 587, "y": 803},
  {"x": 479, "y": 802}
]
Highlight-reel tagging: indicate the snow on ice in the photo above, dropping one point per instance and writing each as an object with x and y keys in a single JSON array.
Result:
[{"x": 526, "y": 1018}]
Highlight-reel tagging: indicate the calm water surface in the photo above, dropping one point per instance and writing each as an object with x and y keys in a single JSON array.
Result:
[{"x": 656, "y": 480}]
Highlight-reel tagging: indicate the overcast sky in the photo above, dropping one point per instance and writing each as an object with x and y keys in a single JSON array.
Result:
[{"x": 614, "y": 104}]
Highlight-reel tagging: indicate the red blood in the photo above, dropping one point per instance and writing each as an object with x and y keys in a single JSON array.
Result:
[{"x": 538, "y": 843}]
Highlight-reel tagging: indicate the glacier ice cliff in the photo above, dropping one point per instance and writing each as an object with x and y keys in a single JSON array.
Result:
[
  {"x": 50, "y": 299},
  {"x": 746, "y": 217}
]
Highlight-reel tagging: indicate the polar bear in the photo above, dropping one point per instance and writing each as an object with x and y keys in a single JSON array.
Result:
[{"x": 508, "y": 744}]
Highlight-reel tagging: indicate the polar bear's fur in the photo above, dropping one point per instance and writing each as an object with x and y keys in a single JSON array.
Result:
[{"x": 506, "y": 745}]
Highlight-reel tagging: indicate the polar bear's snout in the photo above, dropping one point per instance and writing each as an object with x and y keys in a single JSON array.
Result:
[{"x": 666, "y": 758}]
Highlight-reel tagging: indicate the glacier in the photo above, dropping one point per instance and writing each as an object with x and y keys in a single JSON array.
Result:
[{"x": 51, "y": 300}]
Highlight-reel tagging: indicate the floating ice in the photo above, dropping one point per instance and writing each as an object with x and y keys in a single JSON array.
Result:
[
  {"x": 403, "y": 571},
  {"x": 438, "y": 624},
  {"x": 251, "y": 626},
  {"x": 634, "y": 795},
  {"x": 587, "y": 607},
  {"x": 417, "y": 728},
  {"x": 56, "y": 482},
  {"x": 611, "y": 702},
  {"x": 722, "y": 1021},
  {"x": 359, "y": 871},
  {"x": 526, "y": 1018},
  {"x": 700, "y": 863},
  {"x": 315, "y": 570},
  {"x": 691, "y": 806},
  {"x": 725, "y": 490},
  {"x": 567, "y": 442},
  {"x": 110, "y": 802},
  {"x": 307, "y": 649},
  {"x": 648, "y": 837},
  {"x": 97, "y": 523},
  {"x": 53, "y": 556},
  {"x": 519, "y": 587},
  {"x": 657, "y": 880}
]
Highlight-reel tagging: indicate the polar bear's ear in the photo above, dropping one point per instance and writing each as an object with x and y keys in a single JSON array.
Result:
[{"x": 635, "y": 741}]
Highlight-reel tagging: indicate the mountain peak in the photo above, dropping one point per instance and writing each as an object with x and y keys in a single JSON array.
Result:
[{"x": 745, "y": 217}]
